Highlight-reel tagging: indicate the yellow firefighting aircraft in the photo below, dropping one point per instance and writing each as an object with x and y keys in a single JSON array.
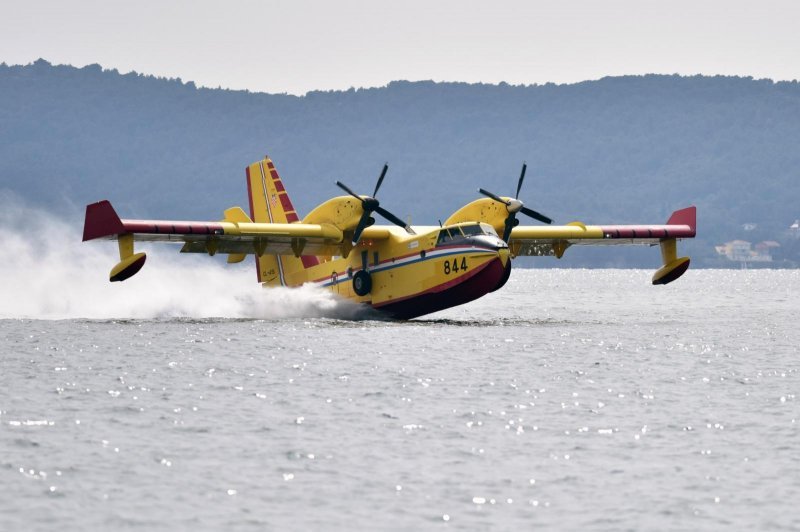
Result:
[{"x": 402, "y": 271}]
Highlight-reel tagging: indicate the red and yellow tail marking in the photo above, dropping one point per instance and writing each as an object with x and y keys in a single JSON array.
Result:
[{"x": 270, "y": 203}]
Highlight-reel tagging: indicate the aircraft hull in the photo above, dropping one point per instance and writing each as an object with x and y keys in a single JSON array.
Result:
[
  {"x": 411, "y": 285},
  {"x": 471, "y": 286}
]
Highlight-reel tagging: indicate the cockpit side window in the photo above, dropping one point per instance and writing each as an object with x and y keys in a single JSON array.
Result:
[{"x": 448, "y": 234}]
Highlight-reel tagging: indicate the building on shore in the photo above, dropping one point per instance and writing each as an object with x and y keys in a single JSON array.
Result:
[{"x": 744, "y": 251}]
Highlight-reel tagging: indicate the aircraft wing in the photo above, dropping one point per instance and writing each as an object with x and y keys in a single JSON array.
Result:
[
  {"x": 529, "y": 240},
  {"x": 554, "y": 240},
  {"x": 236, "y": 234}
]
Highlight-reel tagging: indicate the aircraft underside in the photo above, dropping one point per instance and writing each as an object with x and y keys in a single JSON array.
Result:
[{"x": 472, "y": 286}]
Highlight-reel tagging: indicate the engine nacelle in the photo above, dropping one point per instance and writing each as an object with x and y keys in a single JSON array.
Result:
[
  {"x": 482, "y": 210},
  {"x": 343, "y": 212}
]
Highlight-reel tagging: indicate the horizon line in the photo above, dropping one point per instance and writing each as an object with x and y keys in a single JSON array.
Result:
[{"x": 501, "y": 83}]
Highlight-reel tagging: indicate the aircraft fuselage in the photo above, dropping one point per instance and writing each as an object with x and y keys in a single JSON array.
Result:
[{"x": 406, "y": 275}]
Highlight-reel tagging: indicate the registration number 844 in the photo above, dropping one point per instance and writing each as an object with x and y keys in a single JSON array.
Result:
[{"x": 455, "y": 265}]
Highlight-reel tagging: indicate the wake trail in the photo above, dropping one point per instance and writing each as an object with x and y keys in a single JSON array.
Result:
[{"x": 49, "y": 273}]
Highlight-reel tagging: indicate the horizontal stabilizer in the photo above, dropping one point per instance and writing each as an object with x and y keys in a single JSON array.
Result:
[{"x": 236, "y": 215}]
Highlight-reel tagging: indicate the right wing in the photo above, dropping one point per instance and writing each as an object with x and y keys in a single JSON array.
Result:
[
  {"x": 554, "y": 240},
  {"x": 544, "y": 240}
]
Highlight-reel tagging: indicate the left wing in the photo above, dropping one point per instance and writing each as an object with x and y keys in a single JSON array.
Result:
[
  {"x": 236, "y": 235},
  {"x": 531, "y": 240}
]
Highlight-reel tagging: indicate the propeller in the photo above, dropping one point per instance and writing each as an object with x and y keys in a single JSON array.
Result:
[
  {"x": 370, "y": 204},
  {"x": 514, "y": 206}
]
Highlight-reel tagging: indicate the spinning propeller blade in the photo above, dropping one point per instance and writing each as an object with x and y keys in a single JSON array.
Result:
[
  {"x": 514, "y": 206},
  {"x": 521, "y": 179},
  {"x": 370, "y": 204},
  {"x": 493, "y": 196},
  {"x": 380, "y": 179},
  {"x": 363, "y": 223},
  {"x": 392, "y": 218},
  {"x": 347, "y": 189},
  {"x": 537, "y": 215}
]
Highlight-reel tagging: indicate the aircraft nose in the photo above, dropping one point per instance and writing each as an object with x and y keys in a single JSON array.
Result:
[{"x": 505, "y": 255}]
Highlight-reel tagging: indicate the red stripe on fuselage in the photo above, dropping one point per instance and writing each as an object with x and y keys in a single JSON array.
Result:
[
  {"x": 484, "y": 280},
  {"x": 441, "y": 287},
  {"x": 401, "y": 257}
]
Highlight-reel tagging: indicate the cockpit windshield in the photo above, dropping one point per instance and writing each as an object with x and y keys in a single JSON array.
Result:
[
  {"x": 488, "y": 230},
  {"x": 470, "y": 230},
  {"x": 448, "y": 234}
]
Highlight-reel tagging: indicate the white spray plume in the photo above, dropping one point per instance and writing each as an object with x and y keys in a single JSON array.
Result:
[{"x": 48, "y": 273}]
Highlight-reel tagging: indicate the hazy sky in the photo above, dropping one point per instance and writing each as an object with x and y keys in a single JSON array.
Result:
[{"x": 300, "y": 45}]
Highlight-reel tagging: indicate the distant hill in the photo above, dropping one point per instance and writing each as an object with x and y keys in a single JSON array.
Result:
[{"x": 623, "y": 149}]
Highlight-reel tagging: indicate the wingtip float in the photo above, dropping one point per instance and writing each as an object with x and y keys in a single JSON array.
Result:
[
  {"x": 673, "y": 266},
  {"x": 402, "y": 271},
  {"x": 102, "y": 221}
]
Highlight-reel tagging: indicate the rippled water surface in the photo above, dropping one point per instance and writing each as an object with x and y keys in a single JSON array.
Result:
[{"x": 582, "y": 400}]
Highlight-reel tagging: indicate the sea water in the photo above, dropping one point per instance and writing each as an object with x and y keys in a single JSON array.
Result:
[{"x": 568, "y": 400}]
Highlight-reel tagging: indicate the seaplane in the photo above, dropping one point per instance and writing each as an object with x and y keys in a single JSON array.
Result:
[{"x": 402, "y": 271}]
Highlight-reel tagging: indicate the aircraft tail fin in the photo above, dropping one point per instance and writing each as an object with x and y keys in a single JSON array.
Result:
[{"x": 270, "y": 203}]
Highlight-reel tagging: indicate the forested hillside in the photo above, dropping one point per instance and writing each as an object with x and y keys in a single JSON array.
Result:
[{"x": 625, "y": 149}]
